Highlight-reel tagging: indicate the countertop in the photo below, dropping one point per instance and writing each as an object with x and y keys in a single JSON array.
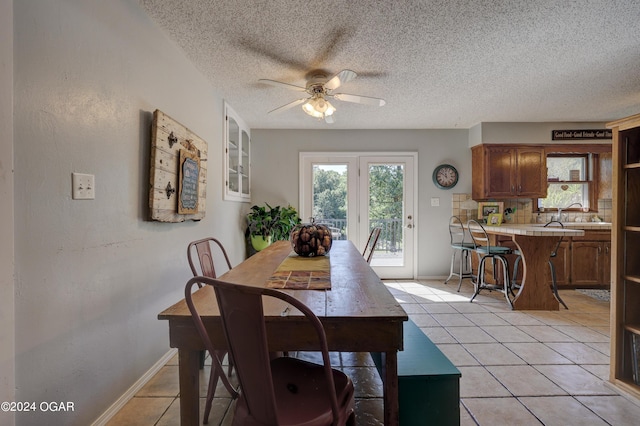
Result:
[
  {"x": 535, "y": 230},
  {"x": 587, "y": 226}
]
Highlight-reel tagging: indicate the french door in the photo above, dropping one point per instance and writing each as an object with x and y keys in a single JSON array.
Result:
[{"x": 353, "y": 193}]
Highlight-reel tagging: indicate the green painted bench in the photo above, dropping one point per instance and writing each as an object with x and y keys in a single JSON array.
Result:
[{"x": 429, "y": 384}]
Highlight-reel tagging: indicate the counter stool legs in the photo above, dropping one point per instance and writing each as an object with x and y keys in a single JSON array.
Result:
[
  {"x": 464, "y": 267},
  {"x": 555, "y": 284},
  {"x": 516, "y": 265},
  {"x": 480, "y": 283}
]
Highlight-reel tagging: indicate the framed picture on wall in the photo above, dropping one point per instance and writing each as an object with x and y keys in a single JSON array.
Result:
[{"x": 486, "y": 208}]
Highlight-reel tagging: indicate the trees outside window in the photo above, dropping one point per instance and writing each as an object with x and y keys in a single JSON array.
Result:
[{"x": 568, "y": 181}]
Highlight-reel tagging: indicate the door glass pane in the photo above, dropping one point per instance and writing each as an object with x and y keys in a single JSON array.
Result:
[
  {"x": 330, "y": 198},
  {"x": 386, "y": 205}
]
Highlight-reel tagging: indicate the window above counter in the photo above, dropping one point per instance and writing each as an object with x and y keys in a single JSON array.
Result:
[{"x": 577, "y": 176}]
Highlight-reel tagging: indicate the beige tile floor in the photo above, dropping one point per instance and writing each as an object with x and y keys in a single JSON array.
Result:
[{"x": 518, "y": 368}]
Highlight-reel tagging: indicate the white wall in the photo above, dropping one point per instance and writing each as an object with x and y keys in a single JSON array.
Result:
[
  {"x": 7, "y": 335},
  {"x": 91, "y": 276},
  {"x": 275, "y": 174}
]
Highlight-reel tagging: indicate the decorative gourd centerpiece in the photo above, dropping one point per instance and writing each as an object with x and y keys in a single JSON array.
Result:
[{"x": 311, "y": 239}]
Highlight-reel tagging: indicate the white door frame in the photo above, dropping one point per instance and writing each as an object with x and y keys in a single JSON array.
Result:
[{"x": 352, "y": 159}]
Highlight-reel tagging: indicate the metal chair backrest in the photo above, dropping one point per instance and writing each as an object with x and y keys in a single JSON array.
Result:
[
  {"x": 555, "y": 223},
  {"x": 241, "y": 311},
  {"x": 204, "y": 253},
  {"x": 374, "y": 235},
  {"x": 478, "y": 234},
  {"x": 456, "y": 231}
]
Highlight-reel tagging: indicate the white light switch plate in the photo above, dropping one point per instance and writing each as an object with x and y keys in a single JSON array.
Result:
[
  {"x": 435, "y": 202},
  {"x": 83, "y": 186}
]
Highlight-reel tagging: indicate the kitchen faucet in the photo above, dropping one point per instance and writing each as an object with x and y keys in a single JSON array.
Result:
[{"x": 564, "y": 208}]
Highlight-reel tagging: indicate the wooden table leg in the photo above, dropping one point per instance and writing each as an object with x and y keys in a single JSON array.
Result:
[
  {"x": 535, "y": 293},
  {"x": 390, "y": 379},
  {"x": 189, "y": 362}
]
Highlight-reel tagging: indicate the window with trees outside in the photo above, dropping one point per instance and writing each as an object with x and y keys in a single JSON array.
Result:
[
  {"x": 330, "y": 198},
  {"x": 577, "y": 173},
  {"x": 385, "y": 201},
  {"x": 569, "y": 182}
]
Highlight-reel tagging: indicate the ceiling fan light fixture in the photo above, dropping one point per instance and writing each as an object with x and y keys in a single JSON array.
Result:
[
  {"x": 319, "y": 89},
  {"x": 310, "y": 109},
  {"x": 330, "y": 109},
  {"x": 318, "y": 107}
]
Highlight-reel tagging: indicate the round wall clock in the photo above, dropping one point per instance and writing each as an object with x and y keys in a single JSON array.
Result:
[{"x": 445, "y": 176}]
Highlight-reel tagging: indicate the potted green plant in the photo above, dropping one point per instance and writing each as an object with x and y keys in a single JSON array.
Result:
[
  {"x": 287, "y": 219},
  {"x": 267, "y": 224}
]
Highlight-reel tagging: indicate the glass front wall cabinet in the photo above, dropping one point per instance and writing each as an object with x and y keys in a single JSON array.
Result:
[{"x": 237, "y": 170}]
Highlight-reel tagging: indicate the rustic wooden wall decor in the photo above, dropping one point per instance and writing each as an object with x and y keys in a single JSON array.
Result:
[{"x": 178, "y": 171}]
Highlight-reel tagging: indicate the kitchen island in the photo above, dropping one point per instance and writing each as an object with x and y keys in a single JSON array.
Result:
[{"x": 535, "y": 243}]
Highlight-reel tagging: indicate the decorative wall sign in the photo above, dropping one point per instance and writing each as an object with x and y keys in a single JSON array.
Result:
[
  {"x": 188, "y": 189},
  {"x": 178, "y": 174},
  {"x": 574, "y": 135}
]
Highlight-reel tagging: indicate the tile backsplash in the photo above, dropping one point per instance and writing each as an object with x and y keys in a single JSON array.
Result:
[{"x": 523, "y": 211}]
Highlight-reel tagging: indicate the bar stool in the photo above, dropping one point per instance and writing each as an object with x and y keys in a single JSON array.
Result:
[
  {"x": 554, "y": 253},
  {"x": 496, "y": 254},
  {"x": 461, "y": 248}
]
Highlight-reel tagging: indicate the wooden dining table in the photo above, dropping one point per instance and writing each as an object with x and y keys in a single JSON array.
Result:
[{"x": 358, "y": 313}]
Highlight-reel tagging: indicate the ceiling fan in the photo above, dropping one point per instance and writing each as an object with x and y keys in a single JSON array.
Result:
[{"x": 320, "y": 90}]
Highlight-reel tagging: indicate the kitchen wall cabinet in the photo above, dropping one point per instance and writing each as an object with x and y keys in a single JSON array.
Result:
[
  {"x": 625, "y": 244},
  {"x": 508, "y": 171},
  {"x": 237, "y": 157}
]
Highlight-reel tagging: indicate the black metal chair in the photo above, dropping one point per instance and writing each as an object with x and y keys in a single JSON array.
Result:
[
  {"x": 554, "y": 253},
  {"x": 374, "y": 235},
  {"x": 462, "y": 249},
  {"x": 273, "y": 390},
  {"x": 496, "y": 254},
  {"x": 203, "y": 250}
]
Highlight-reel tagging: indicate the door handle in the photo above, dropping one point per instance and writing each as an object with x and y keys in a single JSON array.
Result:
[{"x": 409, "y": 226}]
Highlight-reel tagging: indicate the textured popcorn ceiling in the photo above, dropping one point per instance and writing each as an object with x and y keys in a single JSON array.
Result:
[{"x": 438, "y": 64}]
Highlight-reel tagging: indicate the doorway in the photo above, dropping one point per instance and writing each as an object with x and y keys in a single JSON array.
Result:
[{"x": 354, "y": 192}]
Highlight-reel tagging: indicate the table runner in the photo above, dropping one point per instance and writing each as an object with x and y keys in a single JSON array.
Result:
[{"x": 302, "y": 273}]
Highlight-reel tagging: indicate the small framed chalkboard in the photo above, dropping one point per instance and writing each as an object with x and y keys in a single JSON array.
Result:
[{"x": 188, "y": 189}]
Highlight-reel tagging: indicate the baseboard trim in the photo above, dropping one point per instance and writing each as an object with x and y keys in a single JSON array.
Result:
[{"x": 131, "y": 392}]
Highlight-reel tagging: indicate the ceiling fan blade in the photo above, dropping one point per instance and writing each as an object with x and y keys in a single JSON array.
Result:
[
  {"x": 334, "y": 41},
  {"x": 329, "y": 119},
  {"x": 287, "y": 106},
  {"x": 339, "y": 79},
  {"x": 269, "y": 53},
  {"x": 285, "y": 85},
  {"x": 366, "y": 100}
]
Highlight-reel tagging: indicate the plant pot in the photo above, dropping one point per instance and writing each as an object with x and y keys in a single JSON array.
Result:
[{"x": 259, "y": 242}]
